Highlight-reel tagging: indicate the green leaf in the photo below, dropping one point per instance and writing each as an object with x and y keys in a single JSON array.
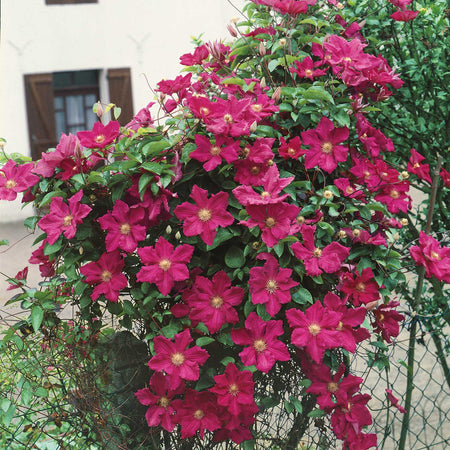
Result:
[
  {"x": 37, "y": 315},
  {"x": 30, "y": 222},
  {"x": 155, "y": 147},
  {"x": 288, "y": 406},
  {"x": 204, "y": 340},
  {"x": 234, "y": 257},
  {"x": 302, "y": 296},
  {"x": 297, "y": 404},
  {"x": 316, "y": 413},
  {"x": 153, "y": 167},
  {"x": 4, "y": 242},
  {"x": 318, "y": 93},
  {"x": 116, "y": 112},
  {"x": 144, "y": 181},
  {"x": 41, "y": 392}
]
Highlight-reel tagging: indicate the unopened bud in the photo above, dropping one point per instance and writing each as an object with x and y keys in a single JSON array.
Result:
[
  {"x": 327, "y": 194},
  {"x": 282, "y": 42},
  {"x": 262, "y": 49},
  {"x": 177, "y": 235},
  {"x": 2, "y": 144},
  {"x": 234, "y": 20},
  {"x": 80, "y": 250},
  {"x": 405, "y": 175},
  {"x": 270, "y": 162},
  {"x": 342, "y": 234},
  {"x": 92, "y": 198},
  {"x": 340, "y": 5},
  {"x": 232, "y": 30},
  {"x": 162, "y": 97},
  {"x": 99, "y": 110},
  {"x": 263, "y": 83},
  {"x": 78, "y": 150},
  {"x": 396, "y": 237},
  {"x": 300, "y": 220},
  {"x": 253, "y": 127},
  {"x": 404, "y": 221},
  {"x": 256, "y": 245},
  {"x": 276, "y": 94},
  {"x": 371, "y": 305},
  {"x": 168, "y": 229},
  {"x": 362, "y": 23},
  {"x": 356, "y": 232}
]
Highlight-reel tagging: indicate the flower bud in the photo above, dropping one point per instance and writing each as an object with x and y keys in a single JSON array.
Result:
[
  {"x": 327, "y": 194},
  {"x": 234, "y": 20},
  {"x": 276, "y": 94},
  {"x": 396, "y": 237},
  {"x": 270, "y": 162},
  {"x": 262, "y": 49},
  {"x": 80, "y": 250},
  {"x": 99, "y": 110},
  {"x": 256, "y": 245},
  {"x": 371, "y": 305},
  {"x": 168, "y": 229},
  {"x": 177, "y": 235},
  {"x": 404, "y": 221},
  {"x": 339, "y": 5},
  {"x": 282, "y": 42},
  {"x": 232, "y": 30},
  {"x": 404, "y": 175},
  {"x": 356, "y": 232},
  {"x": 78, "y": 150},
  {"x": 253, "y": 127},
  {"x": 342, "y": 234},
  {"x": 263, "y": 83}
]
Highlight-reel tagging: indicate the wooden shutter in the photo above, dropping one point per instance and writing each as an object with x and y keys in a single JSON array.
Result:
[
  {"x": 120, "y": 93},
  {"x": 40, "y": 112}
]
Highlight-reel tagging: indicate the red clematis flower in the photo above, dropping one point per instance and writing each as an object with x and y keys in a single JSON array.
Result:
[
  {"x": 324, "y": 152},
  {"x": 315, "y": 329},
  {"x": 212, "y": 154},
  {"x": 361, "y": 288},
  {"x": 404, "y": 15},
  {"x": 270, "y": 285},
  {"x": 124, "y": 227},
  {"x": 16, "y": 178},
  {"x": 63, "y": 218},
  {"x": 445, "y": 177},
  {"x": 159, "y": 399},
  {"x": 433, "y": 257},
  {"x": 18, "y": 280},
  {"x": 106, "y": 274},
  {"x": 318, "y": 260},
  {"x": 205, "y": 216},
  {"x": 176, "y": 360},
  {"x": 264, "y": 349},
  {"x": 212, "y": 301},
  {"x": 100, "y": 136},
  {"x": 395, "y": 197},
  {"x": 198, "y": 412},
  {"x": 234, "y": 389},
  {"x": 416, "y": 167},
  {"x": 387, "y": 321},
  {"x": 394, "y": 401},
  {"x": 292, "y": 149},
  {"x": 163, "y": 265},
  {"x": 46, "y": 267},
  {"x": 305, "y": 69}
]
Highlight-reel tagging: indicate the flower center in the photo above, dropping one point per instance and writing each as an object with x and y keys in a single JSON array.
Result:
[
  {"x": 360, "y": 287},
  {"x": 356, "y": 233},
  {"x": 349, "y": 190},
  {"x": 394, "y": 194},
  {"x": 291, "y": 151},
  {"x": 233, "y": 389},
  {"x": 125, "y": 228},
  {"x": 314, "y": 329},
  {"x": 216, "y": 302},
  {"x": 228, "y": 118},
  {"x": 435, "y": 255},
  {"x": 271, "y": 286},
  {"x": 245, "y": 152},
  {"x": 317, "y": 252},
  {"x": 332, "y": 387},
  {"x": 214, "y": 150},
  {"x": 204, "y": 111},
  {"x": 416, "y": 166},
  {"x": 256, "y": 107},
  {"x": 259, "y": 345},
  {"x": 269, "y": 222},
  {"x": 10, "y": 184},
  {"x": 347, "y": 59},
  {"x": 199, "y": 414},
  {"x": 67, "y": 220},
  {"x": 100, "y": 138},
  {"x": 255, "y": 170},
  {"x": 300, "y": 220},
  {"x": 106, "y": 276},
  {"x": 265, "y": 194},
  {"x": 327, "y": 147},
  {"x": 340, "y": 326},
  {"x": 164, "y": 264},
  {"x": 381, "y": 318},
  {"x": 177, "y": 358},
  {"x": 164, "y": 402},
  {"x": 308, "y": 72},
  {"x": 204, "y": 214}
]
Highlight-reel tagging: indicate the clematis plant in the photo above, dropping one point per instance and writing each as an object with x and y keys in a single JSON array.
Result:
[{"x": 251, "y": 238}]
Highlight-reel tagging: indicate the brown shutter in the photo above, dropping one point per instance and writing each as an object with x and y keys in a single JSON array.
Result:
[
  {"x": 120, "y": 93},
  {"x": 41, "y": 113}
]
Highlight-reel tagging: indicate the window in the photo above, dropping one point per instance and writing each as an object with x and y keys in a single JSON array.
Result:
[
  {"x": 61, "y": 102},
  {"x": 68, "y": 2}
]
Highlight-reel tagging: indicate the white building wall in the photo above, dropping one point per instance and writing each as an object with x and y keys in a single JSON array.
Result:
[{"x": 148, "y": 36}]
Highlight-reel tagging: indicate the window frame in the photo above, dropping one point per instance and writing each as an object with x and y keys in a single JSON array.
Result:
[{"x": 68, "y": 2}]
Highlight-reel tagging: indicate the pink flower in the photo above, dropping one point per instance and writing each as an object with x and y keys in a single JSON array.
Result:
[
  {"x": 176, "y": 360},
  {"x": 16, "y": 178},
  {"x": 270, "y": 285},
  {"x": 324, "y": 152},
  {"x": 291, "y": 149},
  {"x": 46, "y": 267},
  {"x": 445, "y": 177},
  {"x": 394, "y": 401},
  {"x": 404, "y": 15},
  {"x": 212, "y": 301},
  {"x": 142, "y": 119},
  {"x": 106, "y": 274},
  {"x": 159, "y": 397},
  {"x": 395, "y": 197},
  {"x": 433, "y": 257},
  {"x": 305, "y": 69},
  {"x": 387, "y": 321},
  {"x": 274, "y": 220},
  {"x": 124, "y": 227},
  {"x": 63, "y": 218},
  {"x": 361, "y": 288},
  {"x": 205, "y": 216},
  {"x": 100, "y": 136},
  {"x": 163, "y": 265},
  {"x": 264, "y": 349},
  {"x": 213, "y": 154},
  {"x": 18, "y": 280},
  {"x": 317, "y": 260},
  {"x": 234, "y": 389},
  {"x": 315, "y": 329},
  {"x": 200, "y": 54},
  {"x": 416, "y": 167},
  {"x": 197, "y": 412}
]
